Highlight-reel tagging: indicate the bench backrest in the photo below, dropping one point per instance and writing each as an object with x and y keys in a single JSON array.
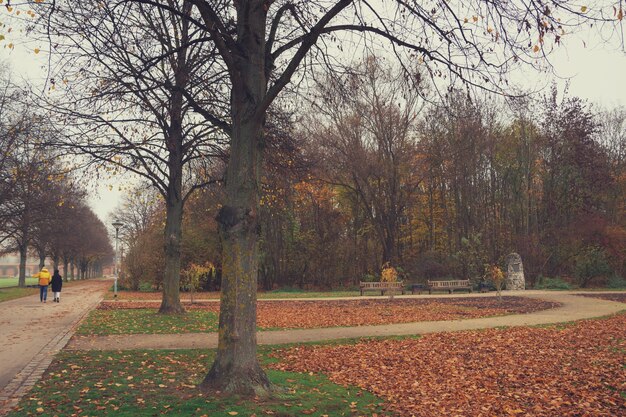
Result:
[
  {"x": 447, "y": 284},
  {"x": 374, "y": 285}
]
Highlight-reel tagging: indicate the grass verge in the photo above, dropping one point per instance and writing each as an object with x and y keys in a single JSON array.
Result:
[
  {"x": 7, "y": 294},
  {"x": 13, "y": 282},
  {"x": 146, "y": 321},
  {"x": 161, "y": 382}
]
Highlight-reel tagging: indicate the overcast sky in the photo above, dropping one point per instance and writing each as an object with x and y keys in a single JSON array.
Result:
[{"x": 596, "y": 72}]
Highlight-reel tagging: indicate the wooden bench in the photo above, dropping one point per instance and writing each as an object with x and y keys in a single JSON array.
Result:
[
  {"x": 461, "y": 284},
  {"x": 381, "y": 286}
]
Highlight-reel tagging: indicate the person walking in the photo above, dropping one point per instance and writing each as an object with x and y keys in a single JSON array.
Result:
[
  {"x": 44, "y": 281},
  {"x": 57, "y": 283}
]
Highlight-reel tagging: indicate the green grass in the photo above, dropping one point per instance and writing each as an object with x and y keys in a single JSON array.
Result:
[
  {"x": 161, "y": 382},
  {"x": 12, "y": 282},
  {"x": 147, "y": 321},
  {"x": 7, "y": 294}
]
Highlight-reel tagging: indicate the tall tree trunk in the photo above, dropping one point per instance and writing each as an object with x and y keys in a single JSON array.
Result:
[
  {"x": 171, "y": 279},
  {"x": 42, "y": 259},
  {"x": 236, "y": 368},
  {"x": 72, "y": 270},
  {"x": 22, "y": 270},
  {"x": 65, "y": 266},
  {"x": 170, "y": 303}
]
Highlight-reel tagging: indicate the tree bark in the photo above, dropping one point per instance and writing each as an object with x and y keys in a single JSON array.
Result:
[{"x": 236, "y": 369}]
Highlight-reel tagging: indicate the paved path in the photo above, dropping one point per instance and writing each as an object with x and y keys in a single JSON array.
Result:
[
  {"x": 573, "y": 308},
  {"x": 33, "y": 332}
]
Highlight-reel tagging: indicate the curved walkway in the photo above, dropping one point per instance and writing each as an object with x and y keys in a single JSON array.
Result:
[{"x": 574, "y": 307}]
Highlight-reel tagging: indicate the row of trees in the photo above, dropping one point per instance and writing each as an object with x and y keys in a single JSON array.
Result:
[{"x": 43, "y": 210}]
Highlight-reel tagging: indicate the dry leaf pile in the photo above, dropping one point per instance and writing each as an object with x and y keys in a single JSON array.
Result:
[
  {"x": 333, "y": 313},
  {"x": 576, "y": 370}
]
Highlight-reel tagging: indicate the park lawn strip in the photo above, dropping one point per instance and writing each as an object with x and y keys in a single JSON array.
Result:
[
  {"x": 146, "y": 321},
  {"x": 164, "y": 382},
  {"x": 12, "y": 293},
  {"x": 13, "y": 282}
]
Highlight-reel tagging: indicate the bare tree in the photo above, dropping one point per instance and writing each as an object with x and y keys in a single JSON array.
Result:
[
  {"x": 135, "y": 78},
  {"x": 366, "y": 124}
]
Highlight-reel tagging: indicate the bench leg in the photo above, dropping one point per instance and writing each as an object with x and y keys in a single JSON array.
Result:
[
  {"x": 430, "y": 291},
  {"x": 361, "y": 292}
]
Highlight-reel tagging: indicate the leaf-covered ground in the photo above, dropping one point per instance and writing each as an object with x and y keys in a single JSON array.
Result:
[
  {"x": 160, "y": 382},
  {"x": 619, "y": 297},
  {"x": 140, "y": 316},
  {"x": 577, "y": 369}
]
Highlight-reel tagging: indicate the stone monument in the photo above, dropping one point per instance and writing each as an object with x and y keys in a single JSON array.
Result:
[{"x": 514, "y": 273}]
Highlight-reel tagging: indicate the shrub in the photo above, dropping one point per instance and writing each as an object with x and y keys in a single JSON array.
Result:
[
  {"x": 616, "y": 282},
  {"x": 145, "y": 287},
  {"x": 544, "y": 283},
  {"x": 591, "y": 263},
  {"x": 369, "y": 278}
]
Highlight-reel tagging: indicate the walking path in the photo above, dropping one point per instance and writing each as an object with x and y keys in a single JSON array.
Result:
[
  {"x": 33, "y": 332},
  {"x": 573, "y": 307}
]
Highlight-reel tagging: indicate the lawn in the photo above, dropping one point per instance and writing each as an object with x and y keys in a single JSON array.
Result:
[
  {"x": 146, "y": 321},
  {"x": 158, "y": 382},
  {"x": 12, "y": 282},
  {"x": 7, "y": 294},
  {"x": 138, "y": 317}
]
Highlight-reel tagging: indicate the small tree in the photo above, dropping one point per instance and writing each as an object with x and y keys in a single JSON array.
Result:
[
  {"x": 389, "y": 273},
  {"x": 193, "y": 275},
  {"x": 496, "y": 276}
]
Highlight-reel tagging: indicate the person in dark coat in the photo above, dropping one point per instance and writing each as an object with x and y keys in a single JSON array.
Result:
[{"x": 57, "y": 283}]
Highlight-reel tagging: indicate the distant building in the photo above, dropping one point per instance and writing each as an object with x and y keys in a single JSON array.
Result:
[{"x": 10, "y": 265}]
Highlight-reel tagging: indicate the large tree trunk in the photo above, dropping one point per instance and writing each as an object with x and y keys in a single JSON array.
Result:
[
  {"x": 22, "y": 269},
  {"x": 236, "y": 369}
]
